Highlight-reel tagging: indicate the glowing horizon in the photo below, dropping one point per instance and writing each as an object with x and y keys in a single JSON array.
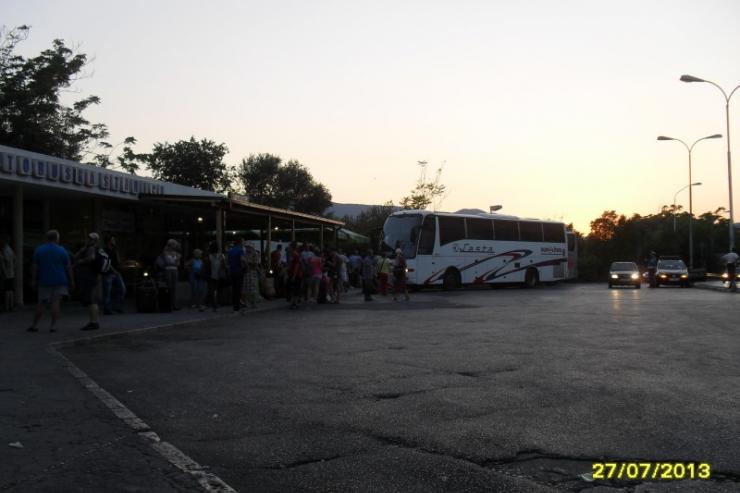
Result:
[{"x": 551, "y": 110}]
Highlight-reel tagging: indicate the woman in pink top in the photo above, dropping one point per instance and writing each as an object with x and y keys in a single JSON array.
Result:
[{"x": 315, "y": 265}]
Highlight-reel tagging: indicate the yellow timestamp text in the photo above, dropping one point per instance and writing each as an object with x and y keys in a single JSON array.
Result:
[{"x": 660, "y": 471}]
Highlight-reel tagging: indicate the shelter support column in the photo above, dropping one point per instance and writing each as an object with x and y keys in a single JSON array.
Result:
[
  {"x": 18, "y": 243},
  {"x": 269, "y": 242},
  {"x": 321, "y": 234},
  {"x": 220, "y": 229},
  {"x": 292, "y": 230},
  {"x": 336, "y": 237}
]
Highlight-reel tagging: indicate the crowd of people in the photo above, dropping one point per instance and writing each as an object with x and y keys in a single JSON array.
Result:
[{"x": 302, "y": 274}]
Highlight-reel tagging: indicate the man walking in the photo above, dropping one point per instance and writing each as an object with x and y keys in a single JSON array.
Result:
[
  {"x": 368, "y": 275},
  {"x": 730, "y": 261},
  {"x": 91, "y": 262},
  {"x": 51, "y": 273},
  {"x": 652, "y": 266},
  {"x": 236, "y": 272},
  {"x": 114, "y": 289}
]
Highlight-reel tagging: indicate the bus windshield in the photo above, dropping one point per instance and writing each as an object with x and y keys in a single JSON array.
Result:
[{"x": 401, "y": 232}]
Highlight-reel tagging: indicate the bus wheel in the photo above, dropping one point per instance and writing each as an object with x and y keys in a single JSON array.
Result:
[
  {"x": 531, "y": 278},
  {"x": 451, "y": 280}
]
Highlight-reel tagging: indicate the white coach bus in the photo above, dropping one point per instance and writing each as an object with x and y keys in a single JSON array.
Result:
[{"x": 456, "y": 249}]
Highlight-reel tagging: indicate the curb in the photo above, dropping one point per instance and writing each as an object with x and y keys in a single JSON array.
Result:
[{"x": 709, "y": 287}]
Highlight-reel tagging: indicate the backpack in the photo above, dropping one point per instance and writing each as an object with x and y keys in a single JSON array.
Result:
[{"x": 102, "y": 262}]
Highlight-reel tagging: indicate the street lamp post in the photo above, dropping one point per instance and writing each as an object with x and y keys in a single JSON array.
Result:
[
  {"x": 691, "y": 196},
  {"x": 696, "y": 184},
  {"x": 691, "y": 78}
]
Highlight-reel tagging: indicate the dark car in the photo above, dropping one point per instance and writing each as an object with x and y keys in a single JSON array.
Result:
[
  {"x": 672, "y": 272},
  {"x": 624, "y": 274}
]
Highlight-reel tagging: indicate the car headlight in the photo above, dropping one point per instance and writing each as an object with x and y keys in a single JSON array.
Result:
[
  {"x": 684, "y": 276},
  {"x": 663, "y": 276},
  {"x": 614, "y": 276},
  {"x": 725, "y": 276},
  {"x": 634, "y": 276}
]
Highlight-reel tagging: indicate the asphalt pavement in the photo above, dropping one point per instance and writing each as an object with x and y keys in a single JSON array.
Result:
[{"x": 476, "y": 390}]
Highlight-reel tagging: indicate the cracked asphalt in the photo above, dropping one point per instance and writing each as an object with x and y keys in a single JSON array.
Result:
[{"x": 477, "y": 390}]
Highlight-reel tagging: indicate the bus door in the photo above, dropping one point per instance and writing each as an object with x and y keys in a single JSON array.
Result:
[{"x": 425, "y": 260}]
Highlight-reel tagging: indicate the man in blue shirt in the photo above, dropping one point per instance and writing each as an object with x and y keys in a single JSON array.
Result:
[
  {"x": 236, "y": 272},
  {"x": 51, "y": 271}
]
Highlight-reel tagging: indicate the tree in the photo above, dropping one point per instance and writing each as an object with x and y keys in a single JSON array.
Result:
[
  {"x": 127, "y": 160},
  {"x": 425, "y": 192},
  {"x": 31, "y": 114},
  {"x": 371, "y": 219},
  {"x": 192, "y": 163},
  {"x": 267, "y": 181}
]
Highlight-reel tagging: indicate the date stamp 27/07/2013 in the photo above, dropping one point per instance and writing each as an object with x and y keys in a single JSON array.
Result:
[{"x": 659, "y": 471}]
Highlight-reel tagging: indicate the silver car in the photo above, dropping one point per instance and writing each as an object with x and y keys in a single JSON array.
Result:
[
  {"x": 624, "y": 274},
  {"x": 672, "y": 272}
]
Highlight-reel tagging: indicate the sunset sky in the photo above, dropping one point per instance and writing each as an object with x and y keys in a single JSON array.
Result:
[{"x": 551, "y": 109}]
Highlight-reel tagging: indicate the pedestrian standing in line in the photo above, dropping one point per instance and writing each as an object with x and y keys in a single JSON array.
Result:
[
  {"x": 236, "y": 272},
  {"x": 91, "y": 262},
  {"x": 114, "y": 289},
  {"x": 342, "y": 261},
  {"x": 278, "y": 270},
  {"x": 730, "y": 261},
  {"x": 652, "y": 266},
  {"x": 368, "y": 275},
  {"x": 252, "y": 271},
  {"x": 51, "y": 274},
  {"x": 332, "y": 267},
  {"x": 216, "y": 273},
  {"x": 316, "y": 268},
  {"x": 7, "y": 274},
  {"x": 197, "y": 277},
  {"x": 399, "y": 276},
  {"x": 384, "y": 271},
  {"x": 171, "y": 260},
  {"x": 295, "y": 276},
  {"x": 355, "y": 269}
]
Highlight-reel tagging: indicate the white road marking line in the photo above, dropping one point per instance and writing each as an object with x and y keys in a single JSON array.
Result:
[{"x": 207, "y": 480}]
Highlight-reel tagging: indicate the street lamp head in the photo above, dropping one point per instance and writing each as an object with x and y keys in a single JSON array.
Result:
[
  {"x": 663, "y": 137},
  {"x": 696, "y": 184},
  {"x": 715, "y": 136},
  {"x": 691, "y": 78}
]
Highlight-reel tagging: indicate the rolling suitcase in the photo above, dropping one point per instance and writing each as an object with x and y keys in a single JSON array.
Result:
[
  {"x": 146, "y": 297},
  {"x": 164, "y": 304}
]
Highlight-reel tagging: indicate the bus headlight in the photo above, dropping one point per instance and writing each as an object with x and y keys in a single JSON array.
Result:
[
  {"x": 725, "y": 276},
  {"x": 634, "y": 276}
]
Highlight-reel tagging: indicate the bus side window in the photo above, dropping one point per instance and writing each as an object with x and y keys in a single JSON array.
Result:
[
  {"x": 505, "y": 230},
  {"x": 426, "y": 238},
  {"x": 479, "y": 229},
  {"x": 530, "y": 231},
  {"x": 451, "y": 229},
  {"x": 554, "y": 233}
]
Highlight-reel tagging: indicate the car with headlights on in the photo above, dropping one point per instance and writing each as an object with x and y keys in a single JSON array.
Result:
[
  {"x": 670, "y": 271},
  {"x": 624, "y": 274}
]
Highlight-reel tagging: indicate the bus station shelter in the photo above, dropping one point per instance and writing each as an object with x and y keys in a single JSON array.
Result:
[{"x": 39, "y": 192}]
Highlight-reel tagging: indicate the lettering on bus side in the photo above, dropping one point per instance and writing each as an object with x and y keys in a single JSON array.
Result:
[
  {"x": 552, "y": 251},
  {"x": 467, "y": 247}
]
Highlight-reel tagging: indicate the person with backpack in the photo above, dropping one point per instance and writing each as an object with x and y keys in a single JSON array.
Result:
[
  {"x": 652, "y": 266},
  {"x": 114, "y": 289},
  {"x": 91, "y": 262}
]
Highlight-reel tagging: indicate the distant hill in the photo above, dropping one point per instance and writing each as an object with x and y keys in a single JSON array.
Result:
[{"x": 352, "y": 210}]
